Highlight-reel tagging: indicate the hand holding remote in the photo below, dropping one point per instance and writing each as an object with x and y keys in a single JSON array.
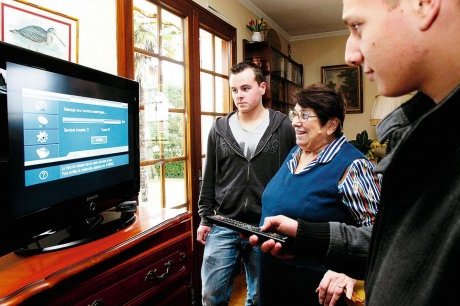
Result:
[
  {"x": 280, "y": 224},
  {"x": 248, "y": 229}
]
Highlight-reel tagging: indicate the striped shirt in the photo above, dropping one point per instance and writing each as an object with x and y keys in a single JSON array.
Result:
[{"x": 359, "y": 187}]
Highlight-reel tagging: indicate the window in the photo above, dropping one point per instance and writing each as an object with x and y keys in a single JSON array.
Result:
[
  {"x": 180, "y": 54},
  {"x": 215, "y": 91},
  {"x": 159, "y": 67}
]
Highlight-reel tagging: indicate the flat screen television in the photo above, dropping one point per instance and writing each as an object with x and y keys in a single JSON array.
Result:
[{"x": 69, "y": 152}]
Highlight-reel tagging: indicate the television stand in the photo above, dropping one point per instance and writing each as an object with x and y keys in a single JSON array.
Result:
[
  {"x": 89, "y": 229},
  {"x": 147, "y": 263}
]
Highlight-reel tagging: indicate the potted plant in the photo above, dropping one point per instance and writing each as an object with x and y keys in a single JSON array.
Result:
[
  {"x": 373, "y": 149},
  {"x": 256, "y": 26}
]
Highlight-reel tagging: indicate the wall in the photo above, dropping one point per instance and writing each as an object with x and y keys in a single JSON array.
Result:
[
  {"x": 97, "y": 30},
  {"x": 236, "y": 14},
  {"x": 314, "y": 53}
]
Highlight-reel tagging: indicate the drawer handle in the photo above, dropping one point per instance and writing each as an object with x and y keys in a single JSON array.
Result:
[
  {"x": 152, "y": 275},
  {"x": 183, "y": 256},
  {"x": 98, "y": 302}
]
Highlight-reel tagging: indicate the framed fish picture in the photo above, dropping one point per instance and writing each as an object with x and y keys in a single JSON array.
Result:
[{"x": 39, "y": 29}]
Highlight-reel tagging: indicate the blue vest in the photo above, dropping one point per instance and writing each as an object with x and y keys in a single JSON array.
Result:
[{"x": 312, "y": 195}]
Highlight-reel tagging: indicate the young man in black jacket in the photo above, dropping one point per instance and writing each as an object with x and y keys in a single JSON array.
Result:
[
  {"x": 414, "y": 249},
  {"x": 244, "y": 150}
]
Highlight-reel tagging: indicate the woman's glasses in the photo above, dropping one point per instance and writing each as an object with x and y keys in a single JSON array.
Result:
[{"x": 302, "y": 115}]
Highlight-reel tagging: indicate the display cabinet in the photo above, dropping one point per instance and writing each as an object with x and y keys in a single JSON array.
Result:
[{"x": 283, "y": 75}]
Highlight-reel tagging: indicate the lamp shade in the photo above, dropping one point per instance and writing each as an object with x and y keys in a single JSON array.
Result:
[{"x": 384, "y": 105}]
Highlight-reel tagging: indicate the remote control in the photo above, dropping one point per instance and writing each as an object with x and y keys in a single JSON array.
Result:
[{"x": 247, "y": 229}]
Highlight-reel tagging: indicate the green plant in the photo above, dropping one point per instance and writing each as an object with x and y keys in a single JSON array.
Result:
[
  {"x": 373, "y": 149},
  {"x": 175, "y": 170},
  {"x": 363, "y": 143}
]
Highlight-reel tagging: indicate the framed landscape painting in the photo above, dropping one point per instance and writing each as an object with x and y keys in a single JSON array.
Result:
[
  {"x": 347, "y": 80},
  {"x": 39, "y": 29}
]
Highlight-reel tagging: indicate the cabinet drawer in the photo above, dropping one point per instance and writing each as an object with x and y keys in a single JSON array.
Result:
[{"x": 152, "y": 270}]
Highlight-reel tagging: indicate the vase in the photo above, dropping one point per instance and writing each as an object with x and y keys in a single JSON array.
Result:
[{"x": 256, "y": 36}]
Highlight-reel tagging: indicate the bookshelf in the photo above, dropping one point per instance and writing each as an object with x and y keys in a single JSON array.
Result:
[{"x": 283, "y": 75}]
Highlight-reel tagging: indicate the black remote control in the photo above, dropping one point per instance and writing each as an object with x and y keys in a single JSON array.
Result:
[{"x": 247, "y": 229}]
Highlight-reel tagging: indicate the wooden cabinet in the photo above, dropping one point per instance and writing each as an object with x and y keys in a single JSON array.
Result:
[
  {"x": 283, "y": 75},
  {"x": 149, "y": 263}
]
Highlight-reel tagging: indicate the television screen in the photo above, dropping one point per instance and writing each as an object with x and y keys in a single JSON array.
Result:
[{"x": 70, "y": 145}]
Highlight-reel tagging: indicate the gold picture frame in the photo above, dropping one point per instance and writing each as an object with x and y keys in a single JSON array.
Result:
[
  {"x": 349, "y": 81},
  {"x": 39, "y": 29}
]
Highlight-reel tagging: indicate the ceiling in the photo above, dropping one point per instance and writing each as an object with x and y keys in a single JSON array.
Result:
[{"x": 300, "y": 19}]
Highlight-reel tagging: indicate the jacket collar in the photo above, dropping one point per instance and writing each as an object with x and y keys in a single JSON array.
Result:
[{"x": 396, "y": 125}]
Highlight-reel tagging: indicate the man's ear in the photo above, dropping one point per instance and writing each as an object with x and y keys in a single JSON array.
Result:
[
  {"x": 263, "y": 88},
  {"x": 428, "y": 10}
]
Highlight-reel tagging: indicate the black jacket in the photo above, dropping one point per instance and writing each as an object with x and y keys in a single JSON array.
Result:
[
  {"x": 415, "y": 247},
  {"x": 233, "y": 185}
]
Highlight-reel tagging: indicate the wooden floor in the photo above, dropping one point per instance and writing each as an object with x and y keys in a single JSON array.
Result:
[{"x": 239, "y": 291}]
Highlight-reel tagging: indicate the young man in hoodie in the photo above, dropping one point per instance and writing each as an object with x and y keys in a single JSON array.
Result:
[{"x": 245, "y": 149}]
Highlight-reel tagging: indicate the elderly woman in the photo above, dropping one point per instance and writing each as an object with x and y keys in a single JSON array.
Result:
[{"x": 324, "y": 178}]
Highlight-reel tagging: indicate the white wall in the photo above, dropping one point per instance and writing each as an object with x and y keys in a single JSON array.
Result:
[{"x": 97, "y": 39}]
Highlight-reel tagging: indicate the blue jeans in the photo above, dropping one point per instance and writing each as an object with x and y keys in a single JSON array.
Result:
[{"x": 222, "y": 253}]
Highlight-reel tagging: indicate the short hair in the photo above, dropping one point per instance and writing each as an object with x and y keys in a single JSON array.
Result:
[
  {"x": 259, "y": 76},
  {"x": 326, "y": 102}
]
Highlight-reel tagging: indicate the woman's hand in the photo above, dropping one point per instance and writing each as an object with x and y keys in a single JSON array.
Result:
[
  {"x": 202, "y": 233},
  {"x": 333, "y": 286}
]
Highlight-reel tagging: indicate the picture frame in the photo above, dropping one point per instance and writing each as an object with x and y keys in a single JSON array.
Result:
[
  {"x": 349, "y": 81},
  {"x": 39, "y": 29}
]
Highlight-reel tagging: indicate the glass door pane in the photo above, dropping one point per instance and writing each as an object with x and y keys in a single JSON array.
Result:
[
  {"x": 160, "y": 69},
  {"x": 216, "y": 101}
]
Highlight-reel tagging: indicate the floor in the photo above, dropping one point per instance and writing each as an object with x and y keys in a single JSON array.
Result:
[{"x": 239, "y": 291}]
